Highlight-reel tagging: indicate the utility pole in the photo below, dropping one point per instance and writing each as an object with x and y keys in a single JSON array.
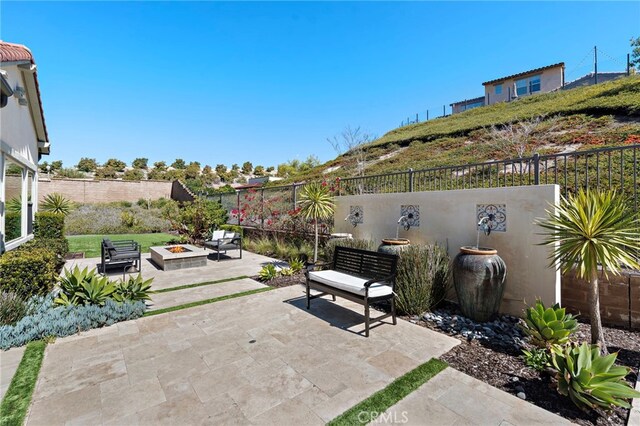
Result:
[
  {"x": 443, "y": 111},
  {"x": 628, "y": 65},
  {"x": 427, "y": 115},
  {"x": 595, "y": 63}
]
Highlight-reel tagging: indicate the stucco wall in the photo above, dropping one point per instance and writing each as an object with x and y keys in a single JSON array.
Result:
[
  {"x": 16, "y": 129},
  {"x": 550, "y": 80},
  {"x": 450, "y": 219},
  {"x": 103, "y": 191}
]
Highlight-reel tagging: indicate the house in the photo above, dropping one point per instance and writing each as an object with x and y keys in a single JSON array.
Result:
[
  {"x": 539, "y": 80},
  {"x": 23, "y": 140},
  {"x": 467, "y": 104}
]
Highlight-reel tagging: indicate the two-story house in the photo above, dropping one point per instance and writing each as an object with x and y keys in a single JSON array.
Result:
[{"x": 23, "y": 139}]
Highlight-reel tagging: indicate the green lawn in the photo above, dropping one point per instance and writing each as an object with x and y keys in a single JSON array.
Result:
[{"x": 90, "y": 244}]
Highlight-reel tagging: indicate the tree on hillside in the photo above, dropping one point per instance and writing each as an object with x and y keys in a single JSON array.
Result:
[
  {"x": 43, "y": 166},
  {"x": 270, "y": 169},
  {"x": 106, "y": 173},
  {"x": 56, "y": 165},
  {"x": 156, "y": 174},
  {"x": 87, "y": 164},
  {"x": 140, "y": 163},
  {"x": 635, "y": 52},
  {"x": 517, "y": 139},
  {"x": 221, "y": 169},
  {"x": 247, "y": 167},
  {"x": 133, "y": 174},
  {"x": 160, "y": 166},
  {"x": 234, "y": 166},
  {"x": 192, "y": 171},
  {"x": 179, "y": 164},
  {"x": 352, "y": 141},
  {"x": 176, "y": 174},
  {"x": 115, "y": 164},
  {"x": 258, "y": 171}
]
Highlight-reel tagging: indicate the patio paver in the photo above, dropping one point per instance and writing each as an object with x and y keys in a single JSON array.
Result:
[
  {"x": 9, "y": 361},
  {"x": 259, "y": 358}
]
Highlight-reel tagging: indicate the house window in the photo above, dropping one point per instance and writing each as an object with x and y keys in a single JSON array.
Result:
[
  {"x": 14, "y": 181},
  {"x": 534, "y": 84},
  {"x": 522, "y": 87},
  {"x": 498, "y": 89}
]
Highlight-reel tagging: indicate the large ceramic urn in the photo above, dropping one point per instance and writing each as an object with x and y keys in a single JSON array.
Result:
[
  {"x": 479, "y": 276},
  {"x": 393, "y": 245}
]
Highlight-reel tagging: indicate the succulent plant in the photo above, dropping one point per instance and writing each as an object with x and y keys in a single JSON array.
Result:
[
  {"x": 548, "y": 326},
  {"x": 536, "y": 358},
  {"x": 268, "y": 272},
  {"x": 589, "y": 379},
  {"x": 133, "y": 289}
]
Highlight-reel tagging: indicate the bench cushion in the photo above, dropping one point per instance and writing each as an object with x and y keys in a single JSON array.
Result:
[
  {"x": 349, "y": 283},
  {"x": 217, "y": 235}
]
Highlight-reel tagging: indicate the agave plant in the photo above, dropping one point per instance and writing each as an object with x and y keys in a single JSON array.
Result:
[
  {"x": 590, "y": 379},
  {"x": 268, "y": 272},
  {"x": 133, "y": 289},
  {"x": 316, "y": 204},
  {"x": 296, "y": 264},
  {"x": 56, "y": 203},
  {"x": 71, "y": 285},
  {"x": 548, "y": 326},
  {"x": 96, "y": 291},
  {"x": 588, "y": 229},
  {"x": 14, "y": 205}
]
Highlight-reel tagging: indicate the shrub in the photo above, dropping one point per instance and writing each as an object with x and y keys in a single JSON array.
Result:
[
  {"x": 59, "y": 246},
  {"x": 129, "y": 219},
  {"x": 12, "y": 226},
  {"x": 12, "y": 308},
  {"x": 56, "y": 203},
  {"x": 268, "y": 272},
  {"x": 28, "y": 272},
  {"x": 133, "y": 289},
  {"x": 104, "y": 219},
  {"x": 133, "y": 175},
  {"x": 48, "y": 225},
  {"x": 196, "y": 219},
  {"x": 48, "y": 320},
  {"x": 69, "y": 173},
  {"x": 548, "y": 326},
  {"x": 330, "y": 246},
  {"x": 296, "y": 264},
  {"x": 423, "y": 277},
  {"x": 232, "y": 228},
  {"x": 589, "y": 379}
]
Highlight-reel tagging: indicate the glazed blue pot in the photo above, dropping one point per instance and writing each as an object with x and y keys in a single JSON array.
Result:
[{"x": 479, "y": 275}]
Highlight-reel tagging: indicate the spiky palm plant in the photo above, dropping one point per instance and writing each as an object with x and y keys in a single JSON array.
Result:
[
  {"x": 316, "y": 203},
  {"x": 588, "y": 229},
  {"x": 56, "y": 203}
]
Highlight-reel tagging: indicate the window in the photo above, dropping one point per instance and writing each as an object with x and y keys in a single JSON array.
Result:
[
  {"x": 522, "y": 87},
  {"x": 498, "y": 89},
  {"x": 14, "y": 180},
  {"x": 534, "y": 84},
  {"x": 473, "y": 105}
]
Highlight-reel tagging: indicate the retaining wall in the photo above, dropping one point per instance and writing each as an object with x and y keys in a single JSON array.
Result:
[{"x": 104, "y": 191}]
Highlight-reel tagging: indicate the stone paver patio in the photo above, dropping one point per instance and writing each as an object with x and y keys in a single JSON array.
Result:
[{"x": 9, "y": 361}]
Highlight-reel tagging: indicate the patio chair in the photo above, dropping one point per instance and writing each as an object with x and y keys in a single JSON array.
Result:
[
  {"x": 119, "y": 252},
  {"x": 221, "y": 241}
]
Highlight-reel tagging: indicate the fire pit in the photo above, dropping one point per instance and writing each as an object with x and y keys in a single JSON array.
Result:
[{"x": 179, "y": 256}]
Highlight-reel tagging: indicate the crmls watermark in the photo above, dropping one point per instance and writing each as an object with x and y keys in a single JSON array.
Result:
[{"x": 383, "y": 418}]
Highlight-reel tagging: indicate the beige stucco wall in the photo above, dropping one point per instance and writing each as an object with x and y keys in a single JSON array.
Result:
[
  {"x": 449, "y": 218},
  {"x": 16, "y": 125},
  {"x": 550, "y": 80},
  {"x": 104, "y": 191}
]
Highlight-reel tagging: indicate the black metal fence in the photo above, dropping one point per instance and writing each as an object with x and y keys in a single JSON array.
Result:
[{"x": 604, "y": 168}]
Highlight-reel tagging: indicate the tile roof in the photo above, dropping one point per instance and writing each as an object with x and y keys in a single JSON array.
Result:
[
  {"x": 12, "y": 52},
  {"x": 520, "y": 74}
]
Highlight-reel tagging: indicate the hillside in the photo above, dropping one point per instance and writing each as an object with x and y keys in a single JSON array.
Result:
[{"x": 607, "y": 114}]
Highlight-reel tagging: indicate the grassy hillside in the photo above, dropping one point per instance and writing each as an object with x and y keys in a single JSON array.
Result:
[{"x": 607, "y": 114}]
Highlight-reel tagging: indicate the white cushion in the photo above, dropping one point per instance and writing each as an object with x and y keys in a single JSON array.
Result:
[
  {"x": 229, "y": 234},
  {"x": 349, "y": 283},
  {"x": 217, "y": 235}
]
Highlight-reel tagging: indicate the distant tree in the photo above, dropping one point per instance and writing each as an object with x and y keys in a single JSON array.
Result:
[
  {"x": 56, "y": 165},
  {"x": 247, "y": 167},
  {"x": 179, "y": 164},
  {"x": 176, "y": 174},
  {"x": 133, "y": 174},
  {"x": 207, "y": 175},
  {"x": 160, "y": 166},
  {"x": 635, "y": 52},
  {"x": 106, "y": 173},
  {"x": 87, "y": 164},
  {"x": 70, "y": 173},
  {"x": 43, "y": 166},
  {"x": 270, "y": 169},
  {"x": 192, "y": 171},
  {"x": 221, "y": 169},
  {"x": 515, "y": 139},
  {"x": 234, "y": 166},
  {"x": 258, "y": 171},
  {"x": 140, "y": 163},
  {"x": 351, "y": 141},
  {"x": 226, "y": 189},
  {"x": 114, "y": 163},
  {"x": 197, "y": 163},
  {"x": 156, "y": 174}
]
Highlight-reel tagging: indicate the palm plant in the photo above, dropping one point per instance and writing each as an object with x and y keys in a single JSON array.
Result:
[
  {"x": 56, "y": 203},
  {"x": 587, "y": 229},
  {"x": 316, "y": 203}
]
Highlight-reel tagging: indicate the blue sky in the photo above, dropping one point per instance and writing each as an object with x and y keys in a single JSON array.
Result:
[{"x": 269, "y": 82}]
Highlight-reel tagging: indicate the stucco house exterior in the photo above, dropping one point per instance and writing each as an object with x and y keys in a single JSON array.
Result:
[
  {"x": 23, "y": 140},
  {"x": 467, "y": 104},
  {"x": 539, "y": 80}
]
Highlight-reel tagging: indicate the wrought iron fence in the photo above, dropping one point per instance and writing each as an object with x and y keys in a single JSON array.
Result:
[{"x": 604, "y": 168}]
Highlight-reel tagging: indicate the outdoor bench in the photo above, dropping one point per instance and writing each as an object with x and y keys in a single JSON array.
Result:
[
  {"x": 361, "y": 276},
  {"x": 221, "y": 241},
  {"x": 119, "y": 252}
]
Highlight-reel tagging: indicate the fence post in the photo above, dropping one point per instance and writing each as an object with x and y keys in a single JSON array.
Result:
[
  {"x": 294, "y": 196},
  {"x": 536, "y": 169},
  {"x": 410, "y": 180},
  {"x": 262, "y": 208},
  {"x": 239, "y": 215}
]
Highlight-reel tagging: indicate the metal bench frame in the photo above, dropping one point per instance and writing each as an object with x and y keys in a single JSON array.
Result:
[
  {"x": 377, "y": 267},
  {"x": 224, "y": 244},
  {"x": 124, "y": 252}
]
